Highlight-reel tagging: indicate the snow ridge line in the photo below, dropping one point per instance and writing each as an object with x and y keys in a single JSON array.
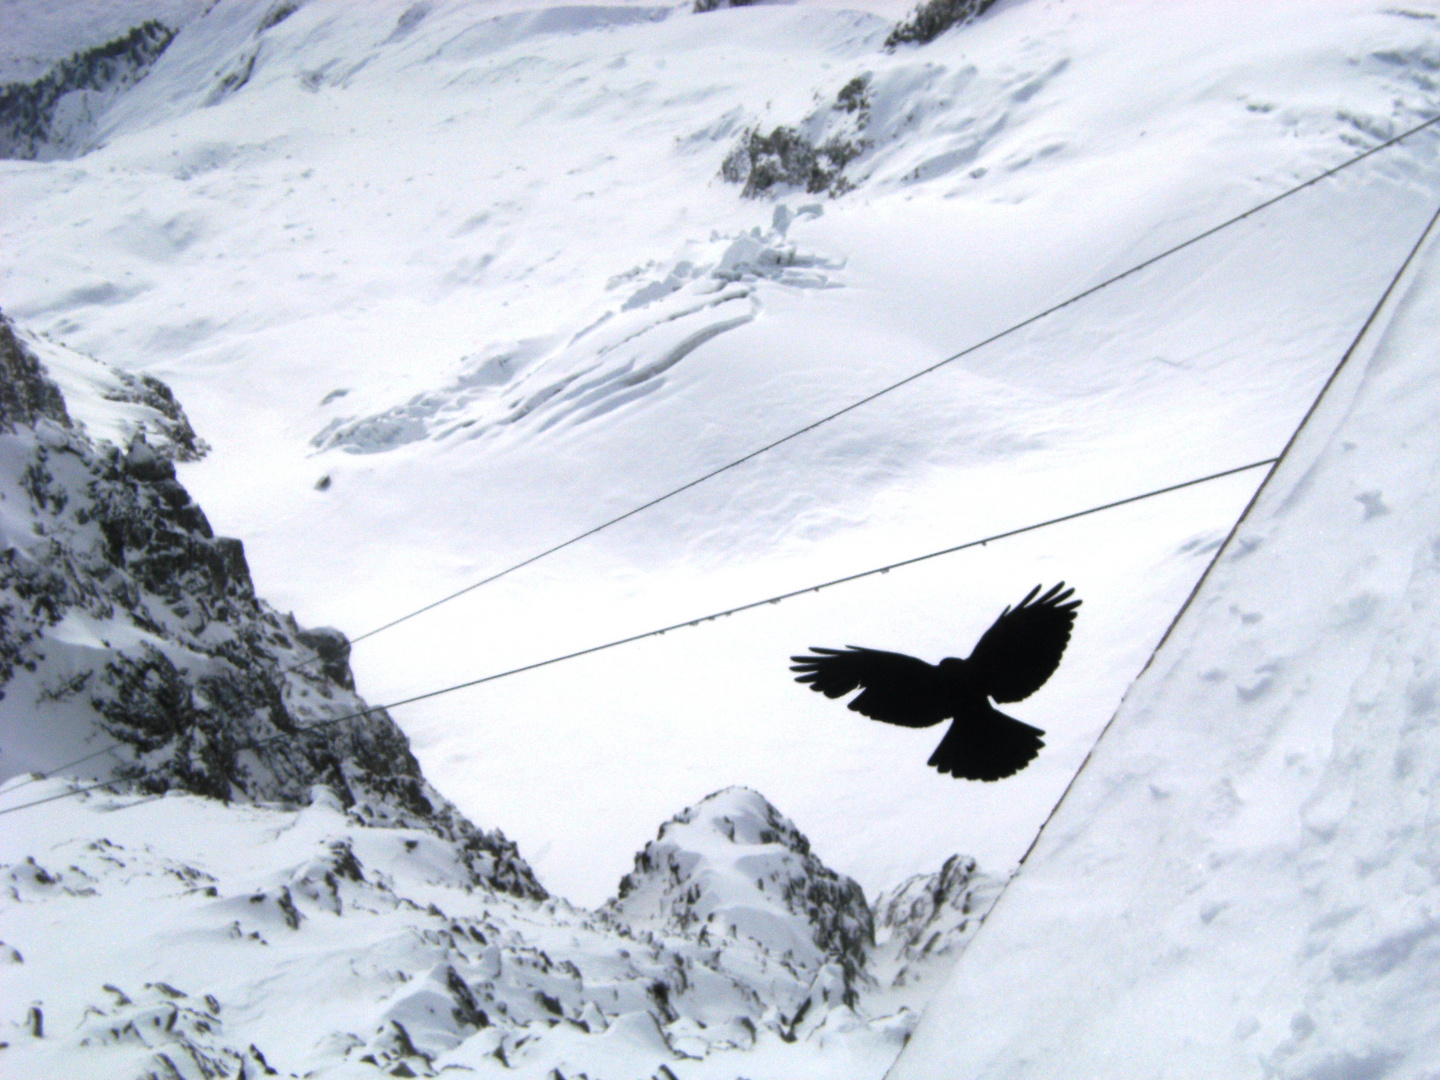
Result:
[
  {"x": 1076, "y": 298},
  {"x": 688, "y": 622},
  {"x": 1224, "y": 546},
  {"x": 1230, "y": 537}
]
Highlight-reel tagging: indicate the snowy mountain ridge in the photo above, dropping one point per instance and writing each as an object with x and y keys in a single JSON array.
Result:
[
  {"x": 731, "y": 866},
  {"x": 394, "y": 241},
  {"x": 133, "y": 634},
  {"x": 313, "y": 942}
]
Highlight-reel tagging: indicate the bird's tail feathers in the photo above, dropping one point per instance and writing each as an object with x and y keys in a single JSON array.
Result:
[{"x": 986, "y": 745}]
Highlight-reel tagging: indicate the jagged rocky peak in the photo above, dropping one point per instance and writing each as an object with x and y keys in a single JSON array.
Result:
[
  {"x": 930, "y": 918},
  {"x": 132, "y": 644},
  {"x": 26, "y": 395},
  {"x": 733, "y": 866}
]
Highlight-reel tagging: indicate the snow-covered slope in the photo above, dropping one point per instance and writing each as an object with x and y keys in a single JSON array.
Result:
[
  {"x": 132, "y": 644},
  {"x": 1245, "y": 878},
  {"x": 177, "y": 936}
]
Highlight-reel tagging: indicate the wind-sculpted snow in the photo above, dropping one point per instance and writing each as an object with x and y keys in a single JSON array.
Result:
[
  {"x": 128, "y": 624},
  {"x": 668, "y": 312},
  {"x": 404, "y": 223},
  {"x": 1244, "y": 879}
]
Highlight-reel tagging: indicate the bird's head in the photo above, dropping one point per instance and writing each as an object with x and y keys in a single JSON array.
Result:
[{"x": 952, "y": 671}]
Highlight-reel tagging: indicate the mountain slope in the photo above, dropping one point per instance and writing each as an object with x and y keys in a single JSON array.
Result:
[
  {"x": 493, "y": 247},
  {"x": 268, "y": 882},
  {"x": 389, "y": 229},
  {"x": 133, "y": 645}
]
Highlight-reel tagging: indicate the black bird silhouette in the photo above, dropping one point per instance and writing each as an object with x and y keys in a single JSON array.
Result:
[{"x": 1012, "y": 660}]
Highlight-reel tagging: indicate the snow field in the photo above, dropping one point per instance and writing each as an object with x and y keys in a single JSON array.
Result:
[{"x": 399, "y": 213}]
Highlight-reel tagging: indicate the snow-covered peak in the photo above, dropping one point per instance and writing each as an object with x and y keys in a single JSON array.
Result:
[
  {"x": 924, "y": 923},
  {"x": 734, "y": 866},
  {"x": 309, "y": 941}
]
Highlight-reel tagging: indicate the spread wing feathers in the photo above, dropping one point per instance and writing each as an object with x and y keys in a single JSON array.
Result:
[
  {"x": 898, "y": 689},
  {"x": 1023, "y": 646},
  {"x": 987, "y": 746}
]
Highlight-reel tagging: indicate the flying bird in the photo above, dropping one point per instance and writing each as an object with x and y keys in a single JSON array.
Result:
[{"x": 1012, "y": 660}]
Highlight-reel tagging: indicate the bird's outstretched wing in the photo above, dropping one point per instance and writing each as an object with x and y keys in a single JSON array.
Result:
[
  {"x": 898, "y": 689},
  {"x": 986, "y": 746},
  {"x": 1023, "y": 646}
]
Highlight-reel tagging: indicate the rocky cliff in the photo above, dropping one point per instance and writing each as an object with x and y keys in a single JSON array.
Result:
[{"x": 131, "y": 636}]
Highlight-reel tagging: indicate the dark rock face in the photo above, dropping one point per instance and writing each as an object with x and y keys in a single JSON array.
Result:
[
  {"x": 933, "y": 18},
  {"x": 28, "y": 111},
  {"x": 180, "y": 442},
  {"x": 786, "y": 157},
  {"x": 25, "y": 394},
  {"x": 812, "y": 156},
  {"x": 207, "y": 689}
]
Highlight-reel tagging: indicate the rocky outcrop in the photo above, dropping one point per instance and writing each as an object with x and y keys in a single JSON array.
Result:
[
  {"x": 933, "y": 18},
  {"x": 26, "y": 395},
  {"x": 923, "y": 924},
  {"x": 51, "y": 116},
  {"x": 125, "y": 621},
  {"x": 811, "y": 155},
  {"x": 732, "y": 866}
]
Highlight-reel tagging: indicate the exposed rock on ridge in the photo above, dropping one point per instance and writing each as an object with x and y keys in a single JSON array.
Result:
[
  {"x": 733, "y": 866},
  {"x": 125, "y": 621},
  {"x": 930, "y": 918},
  {"x": 51, "y": 116}
]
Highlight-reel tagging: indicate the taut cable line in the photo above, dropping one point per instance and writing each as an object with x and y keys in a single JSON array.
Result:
[
  {"x": 1356, "y": 159},
  {"x": 711, "y": 617},
  {"x": 912, "y": 377}
]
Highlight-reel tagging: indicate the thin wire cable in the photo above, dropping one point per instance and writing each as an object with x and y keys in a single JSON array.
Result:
[
  {"x": 891, "y": 387},
  {"x": 36, "y": 777},
  {"x": 863, "y": 401},
  {"x": 983, "y": 541}
]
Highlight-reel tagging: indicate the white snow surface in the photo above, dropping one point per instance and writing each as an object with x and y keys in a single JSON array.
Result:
[{"x": 1245, "y": 878}]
